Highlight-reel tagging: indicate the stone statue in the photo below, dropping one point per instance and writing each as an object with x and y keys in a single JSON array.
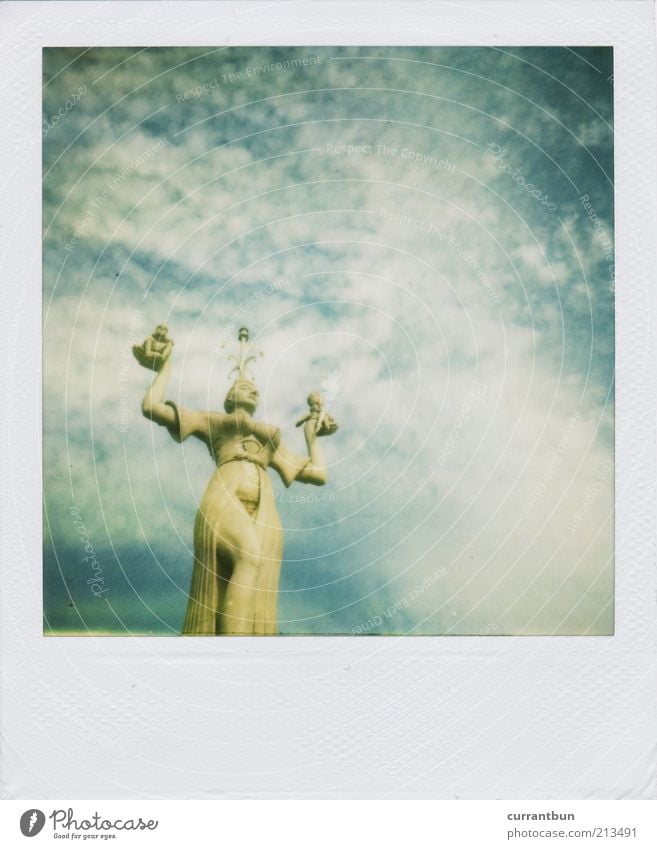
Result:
[{"x": 238, "y": 539}]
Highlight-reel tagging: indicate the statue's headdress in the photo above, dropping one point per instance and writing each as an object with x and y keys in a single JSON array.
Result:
[
  {"x": 240, "y": 370},
  {"x": 245, "y": 356}
]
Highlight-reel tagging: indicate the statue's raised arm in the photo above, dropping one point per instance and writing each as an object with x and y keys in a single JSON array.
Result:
[
  {"x": 317, "y": 422},
  {"x": 155, "y": 355}
]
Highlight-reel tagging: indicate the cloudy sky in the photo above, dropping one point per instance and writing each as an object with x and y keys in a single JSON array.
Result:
[{"x": 426, "y": 233}]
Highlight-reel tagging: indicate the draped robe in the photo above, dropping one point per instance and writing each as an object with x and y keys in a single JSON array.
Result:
[{"x": 237, "y": 516}]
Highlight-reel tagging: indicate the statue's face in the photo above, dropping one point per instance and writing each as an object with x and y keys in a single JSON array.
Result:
[
  {"x": 161, "y": 331},
  {"x": 244, "y": 395}
]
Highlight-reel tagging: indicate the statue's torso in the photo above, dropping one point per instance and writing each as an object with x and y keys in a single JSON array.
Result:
[
  {"x": 237, "y": 439},
  {"x": 236, "y": 436}
]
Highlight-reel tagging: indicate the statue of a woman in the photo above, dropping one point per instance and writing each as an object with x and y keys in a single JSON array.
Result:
[{"x": 238, "y": 539}]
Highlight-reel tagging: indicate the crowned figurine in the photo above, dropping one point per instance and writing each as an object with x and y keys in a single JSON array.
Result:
[{"x": 155, "y": 350}]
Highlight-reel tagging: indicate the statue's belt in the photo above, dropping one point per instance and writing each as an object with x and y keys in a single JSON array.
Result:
[{"x": 241, "y": 455}]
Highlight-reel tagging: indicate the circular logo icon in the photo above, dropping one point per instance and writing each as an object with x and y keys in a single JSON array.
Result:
[{"x": 32, "y": 822}]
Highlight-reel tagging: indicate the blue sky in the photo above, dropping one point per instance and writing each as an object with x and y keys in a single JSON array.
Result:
[{"x": 427, "y": 233}]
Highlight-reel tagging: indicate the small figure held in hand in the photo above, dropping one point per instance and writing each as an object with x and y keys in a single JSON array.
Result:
[
  {"x": 156, "y": 349},
  {"x": 317, "y": 421}
]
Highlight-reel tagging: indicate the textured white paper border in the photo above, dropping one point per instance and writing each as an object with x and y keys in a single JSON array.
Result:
[{"x": 465, "y": 717}]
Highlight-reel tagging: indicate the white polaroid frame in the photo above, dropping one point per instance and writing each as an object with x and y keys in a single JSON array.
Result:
[{"x": 342, "y": 717}]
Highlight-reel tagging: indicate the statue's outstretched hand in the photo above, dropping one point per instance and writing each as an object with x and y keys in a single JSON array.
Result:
[
  {"x": 155, "y": 350},
  {"x": 322, "y": 425},
  {"x": 327, "y": 426}
]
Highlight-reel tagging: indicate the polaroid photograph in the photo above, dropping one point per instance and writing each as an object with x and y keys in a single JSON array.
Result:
[
  {"x": 406, "y": 250},
  {"x": 329, "y": 400}
]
